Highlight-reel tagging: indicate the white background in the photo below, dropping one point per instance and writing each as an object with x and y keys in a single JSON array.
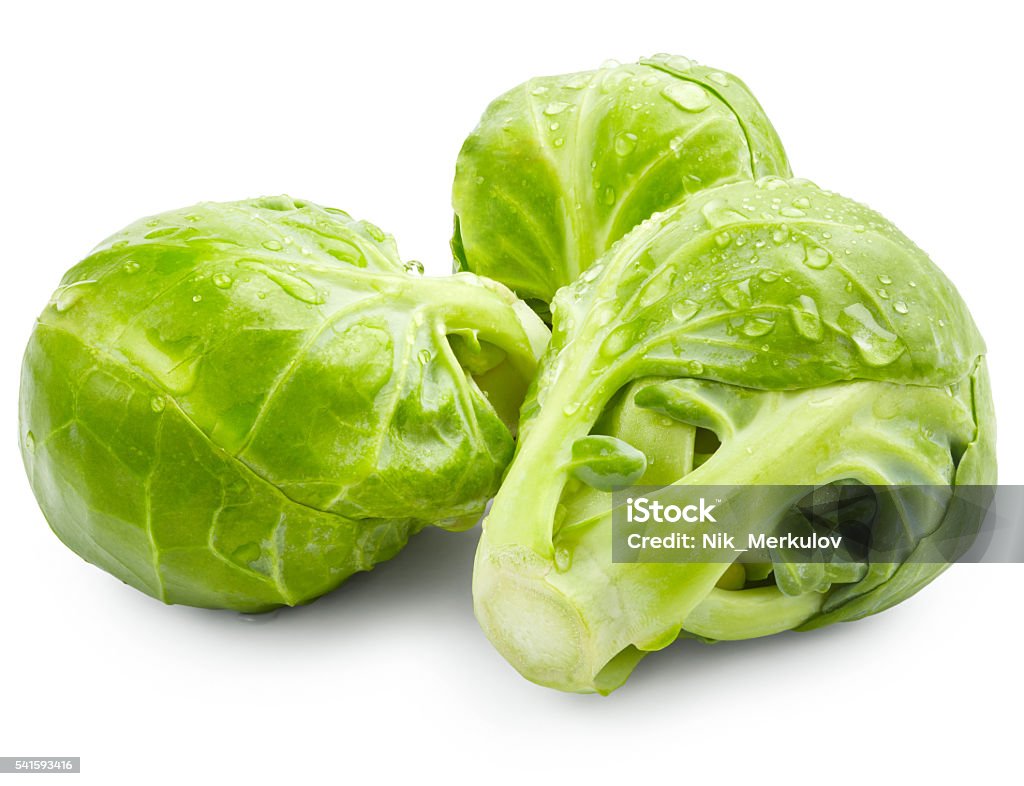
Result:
[{"x": 117, "y": 110}]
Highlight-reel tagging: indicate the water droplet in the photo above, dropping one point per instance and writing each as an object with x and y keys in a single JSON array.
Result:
[
  {"x": 572, "y": 408},
  {"x": 657, "y": 288},
  {"x": 768, "y": 276},
  {"x": 859, "y": 228},
  {"x": 65, "y": 297},
  {"x": 563, "y": 559},
  {"x": 272, "y": 245},
  {"x": 221, "y": 280},
  {"x": 157, "y": 403},
  {"x": 609, "y": 195},
  {"x": 294, "y": 286},
  {"x": 618, "y": 341},
  {"x": 539, "y": 90},
  {"x": 883, "y": 293},
  {"x": 778, "y": 237},
  {"x": 695, "y": 367},
  {"x": 131, "y": 266},
  {"x": 771, "y": 183},
  {"x": 718, "y": 213},
  {"x": 685, "y": 310},
  {"x": 554, "y": 126},
  {"x": 414, "y": 266},
  {"x": 718, "y": 78},
  {"x": 802, "y": 202},
  {"x": 161, "y": 232},
  {"x": 817, "y": 257},
  {"x": 30, "y": 442},
  {"x": 555, "y": 108},
  {"x": 651, "y": 81},
  {"x": 247, "y": 553},
  {"x": 806, "y": 320},
  {"x": 884, "y": 279},
  {"x": 614, "y": 80},
  {"x": 372, "y": 230},
  {"x": 424, "y": 356},
  {"x": 578, "y": 82},
  {"x": 876, "y": 345},
  {"x": 559, "y": 142},
  {"x": 119, "y": 244},
  {"x": 792, "y": 212},
  {"x": 722, "y": 239},
  {"x": 678, "y": 62},
  {"x": 625, "y": 143},
  {"x": 900, "y": 307},
  {"x": 736, "y": 295},
  {"x": 687, "y": 96},
  {"x": 758, "y": 326}
]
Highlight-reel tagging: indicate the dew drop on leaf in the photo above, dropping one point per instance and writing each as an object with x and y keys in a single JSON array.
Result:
[
  {"x": 687, "y": 96},
  {"x": 65, "y": 297},
  {"x": 876, "y": 345},
  {"x": 804, "y": 313},
  {"x": 618, "y": 341},
  {"x": 685, "y": 310},
  {"x": 555, "y": 108},
  {"x": 718, "y": 213},
  {"x": 736, "y": 295},
  {"x": 247, "y": 553},
  {"x": 817, "y": 257},
  {"x": 758, "y": 326},
  {"x": 625, "y": 143}
]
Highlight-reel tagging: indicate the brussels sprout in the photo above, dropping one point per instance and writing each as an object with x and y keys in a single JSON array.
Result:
[
  {"x": 561, "y": 167},
  {"x": 239, "y": 405},
  {"x": 760, "y": 333}
]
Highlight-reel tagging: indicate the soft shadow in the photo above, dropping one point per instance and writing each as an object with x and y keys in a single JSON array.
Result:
[{"x": 433, "y": 572}]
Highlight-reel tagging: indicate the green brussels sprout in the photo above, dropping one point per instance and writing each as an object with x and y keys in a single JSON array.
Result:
[
  {"x": 561, "y": 167},
  {"x": 765, "y": 333},
  {"x": 240, "y": 405}
]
